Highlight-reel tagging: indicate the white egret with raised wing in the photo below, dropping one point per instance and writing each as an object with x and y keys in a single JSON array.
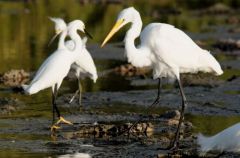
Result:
[
  {"x": 84, "y": 65},
  {"x": 56, "y": 67}
]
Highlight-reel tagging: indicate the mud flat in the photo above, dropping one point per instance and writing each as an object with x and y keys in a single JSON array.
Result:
[{"x": 100, "y": 125}]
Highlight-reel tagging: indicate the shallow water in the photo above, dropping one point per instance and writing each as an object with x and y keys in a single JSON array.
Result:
[{"x": 25, "y": 31}]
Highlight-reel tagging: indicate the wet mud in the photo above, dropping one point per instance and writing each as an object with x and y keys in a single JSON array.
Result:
[{"x": 101, "y": 126}]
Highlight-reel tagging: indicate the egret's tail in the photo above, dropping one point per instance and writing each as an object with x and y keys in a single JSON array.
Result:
[
  {"x": 24, "y": 86},
  {"x": 209, "y": 63},
  {"x": 30, "y": 89},
  {"x": 94, "y": 77}
]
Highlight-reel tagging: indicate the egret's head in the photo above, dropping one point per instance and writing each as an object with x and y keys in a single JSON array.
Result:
[
  {"x": 125, "y": 16},
  {"x": 77, "y": 25},
  {"x": 60, "y": 26}
]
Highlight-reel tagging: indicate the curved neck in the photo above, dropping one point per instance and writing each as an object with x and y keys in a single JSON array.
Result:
[
  {"x": 132, "y": 34},
  {"x": 76, "y": 39},
  {"x": 137, "y": 56},
  {"x": 61, "y": 44}
]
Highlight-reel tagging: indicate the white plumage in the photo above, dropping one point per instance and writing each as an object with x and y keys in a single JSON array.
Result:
[
  {"x": 176, "y": 51},
  {"x": 168, "y": 50},
  {"x": 53, "y": 70},
  {"x": 226, "y": 140},
  {"x": 84, "y": 64}
]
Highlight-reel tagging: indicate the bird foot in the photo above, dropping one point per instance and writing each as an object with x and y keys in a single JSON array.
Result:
[
  {"x": 61, "y": 119},
  {"x": 54, "y": 128}
]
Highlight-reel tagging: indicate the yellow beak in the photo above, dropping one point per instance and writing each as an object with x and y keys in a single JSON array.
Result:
[
  {"x": 115, "y": 28},
  {"x": 54, "y": 37}
]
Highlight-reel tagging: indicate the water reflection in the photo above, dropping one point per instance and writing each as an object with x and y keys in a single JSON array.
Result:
[{"x": 76, "y": 155}]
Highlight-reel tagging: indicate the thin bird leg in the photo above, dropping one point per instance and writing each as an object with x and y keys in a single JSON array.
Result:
[
  {"x": 175, "y": 144},
  {"x": 78, "y": 91},
  {"x": 75, "y": 94},
  {"x": 54, "y": 108},
  {"x": 158, "y": 96},
  {"x": 61, "y": 119},
  {"x": 54, "y": 100},
  {"x": 151, "y": 106}
]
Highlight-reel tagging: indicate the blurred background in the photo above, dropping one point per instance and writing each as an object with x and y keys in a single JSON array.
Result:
[{"x": 25, "y": 28}]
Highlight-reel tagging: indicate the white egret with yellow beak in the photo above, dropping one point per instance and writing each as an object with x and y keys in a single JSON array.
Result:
[{"x": 168, "y": 50}]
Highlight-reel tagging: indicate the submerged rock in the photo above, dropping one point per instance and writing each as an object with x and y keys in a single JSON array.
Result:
[
  {"x": 218, "y": 8},
  {"x": 201, "y": 79},
  {"x": 103, "y": 130},
  {"x": 7, "y": 106},
  {"x": 130, "y": 70},
  {"x": 227, "y": 44}
]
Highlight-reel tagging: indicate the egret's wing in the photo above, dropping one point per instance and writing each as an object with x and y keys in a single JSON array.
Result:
[
  {"x": 173, "y": 46},
  {"x": 54, "y": 69},
  {"x": 86, "y": 64},
  {"x": 42, "y": 68}
]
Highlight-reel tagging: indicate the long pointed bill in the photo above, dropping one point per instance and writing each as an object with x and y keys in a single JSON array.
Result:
[
  {"x": 88, "y": 34},
  {"x": 115, "y": 28},
  {"x": 53, "y": 38}
]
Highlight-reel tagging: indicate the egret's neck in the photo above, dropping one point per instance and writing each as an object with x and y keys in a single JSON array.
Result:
[
  {"x": 76, "y": 39},
  {"x": 132, "y": 34},
  {"x": 137, "y": 56},
  {"x": 61, "y": 44}
]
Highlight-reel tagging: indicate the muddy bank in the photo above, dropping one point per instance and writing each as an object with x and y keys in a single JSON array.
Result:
[
  {"x": 109, "y": 109},
  {"x": 85, "y": 137},
  {"x": 214, "y": 100},
  {"x": 10, "y": 105}
]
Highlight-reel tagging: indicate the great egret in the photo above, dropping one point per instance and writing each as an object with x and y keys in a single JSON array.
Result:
[
  {"x": 168, "y": 50},
  {"x": 226, "y": 140},
  {"x": 56, "y": 67},
  {"x": 84, "y": 64}
]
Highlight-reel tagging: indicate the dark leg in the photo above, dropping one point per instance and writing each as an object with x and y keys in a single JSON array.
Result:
[
  {"x": 53, "y": 109},
  {"x": 150, "y": 107},
  {"x": 158, "y": 95},
  {"x": 175, "y": 143},
  {"x": 54, "y": 96},
  {"x": 61, "y": 119}
]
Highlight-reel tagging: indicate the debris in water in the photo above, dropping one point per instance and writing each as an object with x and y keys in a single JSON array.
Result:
[{"x": 15, "y": 77}]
